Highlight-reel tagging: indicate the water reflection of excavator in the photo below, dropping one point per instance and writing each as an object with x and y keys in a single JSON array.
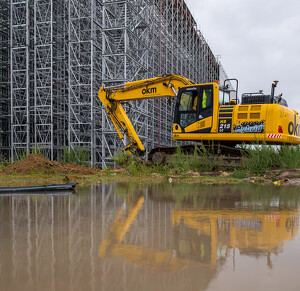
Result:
[
  {"x": 203, "y": 236},
  {"x": 148, "y": 258},
  {"x": 252, "y": 233}
]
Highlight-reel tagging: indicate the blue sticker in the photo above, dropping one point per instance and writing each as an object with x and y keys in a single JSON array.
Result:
[{"x": 250, "y": 127}]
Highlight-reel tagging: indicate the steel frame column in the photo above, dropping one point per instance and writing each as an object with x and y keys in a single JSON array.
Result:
[
  {"x": 60, "y": 78},
  {"x": 43, "y": 76},
  {"x": 19, "y": 75},
  {"x": 83, "y": 47},
  {"x": 4, "y": 81}
]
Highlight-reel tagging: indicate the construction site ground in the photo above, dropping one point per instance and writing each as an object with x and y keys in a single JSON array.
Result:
[{"x": 38, "y": 170}]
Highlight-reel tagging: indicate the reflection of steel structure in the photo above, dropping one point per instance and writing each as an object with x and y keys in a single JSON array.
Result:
[
  {"x": 63, "y": 51},
  {"x": 48, "y": 234},
  {"x": 44, "y": 235}
]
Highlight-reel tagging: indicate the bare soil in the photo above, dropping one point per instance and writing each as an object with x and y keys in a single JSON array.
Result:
[{"x": 38, "y": 164}]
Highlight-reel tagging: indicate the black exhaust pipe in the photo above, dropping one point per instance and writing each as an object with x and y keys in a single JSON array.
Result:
[{"x": 274, "y": 84}]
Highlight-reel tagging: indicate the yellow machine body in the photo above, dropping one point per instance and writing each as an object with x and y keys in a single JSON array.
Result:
[
  {"x": 271, "y": 123},
  {"x": 203, "y": 112}
]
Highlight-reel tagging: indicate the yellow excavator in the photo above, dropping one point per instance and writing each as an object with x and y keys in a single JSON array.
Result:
[{"x": 205, "y": 113}]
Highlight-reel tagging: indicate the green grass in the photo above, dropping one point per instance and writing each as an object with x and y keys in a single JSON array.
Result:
[
  {"x": 180, "y": 163},
  {"x": 239, "y": 174},
  {"x": 137, "y": 166},
  {"x": 259, "y": 159},
  {"x": 202, "y": 160},
  {"x": 134, "y": 165},
  {"x": 77, "y": 155},
  {"x": 263, "y": 158},
  {"x": 4, "y": 161},
  {"x": 121, "y": 158},
  {"x": 289, "y": 157},
  {"x": 23, "y": 154}
]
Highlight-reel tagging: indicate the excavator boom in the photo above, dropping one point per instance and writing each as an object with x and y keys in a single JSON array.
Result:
[{"x": 160, "y": 87}]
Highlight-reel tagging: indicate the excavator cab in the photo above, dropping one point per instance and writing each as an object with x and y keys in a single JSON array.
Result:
[{"x": 194, "y": 104}]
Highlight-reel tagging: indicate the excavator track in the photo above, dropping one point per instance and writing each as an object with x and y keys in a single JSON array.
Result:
[{"x": 228, "y": 156}]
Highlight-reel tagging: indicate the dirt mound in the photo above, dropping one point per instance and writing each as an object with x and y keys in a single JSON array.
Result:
[{"x": 40, "y": 164}]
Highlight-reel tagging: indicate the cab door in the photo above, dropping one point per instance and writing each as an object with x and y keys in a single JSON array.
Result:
[
  {"x": 206, "y": 102},
  {"x": 194, "y": 109}
]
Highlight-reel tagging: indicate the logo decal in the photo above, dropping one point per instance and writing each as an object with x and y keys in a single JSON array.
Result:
[
  {"x": 250, "y": 127},
  {"x": 293, "y": 128},
  {"x": 149, "y": 91}
]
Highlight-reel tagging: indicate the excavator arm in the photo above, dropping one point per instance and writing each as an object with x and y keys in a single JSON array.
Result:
[{"x": 165, "y": 86}]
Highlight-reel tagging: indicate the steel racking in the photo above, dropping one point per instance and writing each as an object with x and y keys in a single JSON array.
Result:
[{"x": 57, "y": 55}]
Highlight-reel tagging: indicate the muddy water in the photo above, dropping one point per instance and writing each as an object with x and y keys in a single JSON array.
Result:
[{"x": 162, "y": 237}]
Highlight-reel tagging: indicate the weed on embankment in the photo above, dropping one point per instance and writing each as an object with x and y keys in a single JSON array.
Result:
[
  {"x": 256, "y": 160},
  {"x": 264, "y": 158}
]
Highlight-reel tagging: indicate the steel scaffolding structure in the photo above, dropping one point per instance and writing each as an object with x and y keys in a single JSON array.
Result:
[
  {"x": 126, "y": 56},
  {"x": 19, "y": 77},
  {"x": 61, "y": 52},
  {"x": 142, "y": 39},
  {"x": 84, "y": 74},
  {"x": 43, "y": 76},
  {"x": 60, "y": 77},
  {"x": 4, "y": 80}
]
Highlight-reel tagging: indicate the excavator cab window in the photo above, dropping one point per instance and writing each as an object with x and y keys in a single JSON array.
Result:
[
  {"x": 188, "y": 101},
  {"x": 224, "y": 97},
  {"x": 188, "y": 107},
  {"x": 193, "y": 104},
  {"x": 206, "y": 99}
]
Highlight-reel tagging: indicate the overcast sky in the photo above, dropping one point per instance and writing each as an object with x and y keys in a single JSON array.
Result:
[{"x": 258, "y": 40}]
